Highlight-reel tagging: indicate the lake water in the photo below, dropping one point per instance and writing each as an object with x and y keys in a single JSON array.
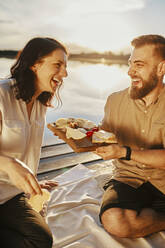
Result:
[{"x": 84, "y": 92}]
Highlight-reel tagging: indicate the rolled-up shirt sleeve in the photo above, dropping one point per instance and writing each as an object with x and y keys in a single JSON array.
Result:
[{"x": 105, "y": 124}]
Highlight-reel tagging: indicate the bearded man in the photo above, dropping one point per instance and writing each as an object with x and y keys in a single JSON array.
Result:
[{"x": 133, "y": 203}]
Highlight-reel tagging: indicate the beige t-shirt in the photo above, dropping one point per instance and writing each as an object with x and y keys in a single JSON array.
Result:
[
  {"x": 20, "y": 137},
  {"x": 139, "y": 127}
]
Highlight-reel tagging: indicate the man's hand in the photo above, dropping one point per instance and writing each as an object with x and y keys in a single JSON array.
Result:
[
  {"x": 111, "y": 151},
  {"x": 20, "y": 175}
]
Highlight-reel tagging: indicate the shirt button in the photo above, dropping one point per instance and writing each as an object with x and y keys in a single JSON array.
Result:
[{"x": 143, "y": 130}]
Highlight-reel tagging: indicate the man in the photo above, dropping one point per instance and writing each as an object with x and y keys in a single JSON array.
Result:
[{"x": 133, "y": 203}]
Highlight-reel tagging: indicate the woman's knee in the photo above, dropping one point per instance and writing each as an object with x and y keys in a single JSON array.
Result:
[
  {"x": 41, "y": 237},
  {"x": 11, "y": 238}
]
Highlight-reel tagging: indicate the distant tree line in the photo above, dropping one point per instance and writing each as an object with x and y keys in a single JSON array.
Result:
[
  {"x": 107, "y": 56},
  {"x": 11, "y": 54}
]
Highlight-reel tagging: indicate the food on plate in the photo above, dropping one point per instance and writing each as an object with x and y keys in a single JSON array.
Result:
[
  {"x": 37, "y": 201},
  {"x": 79, "y": 128},
  {"x": 80, "y": 134},
  {"x": 64, "y": 122},
  {"x": 75, "y": 123},
  {"x": 86, "y": 124},
  {"x": 102, "y": 136},
  {"x": 75, "y": 133},
  {"x": 75, "y": 128},
  {"x": 90, "y": 133}
]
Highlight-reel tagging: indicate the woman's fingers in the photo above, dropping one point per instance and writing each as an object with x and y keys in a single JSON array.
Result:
[
  {"x": 34, "y": 185},
  {"x": 48, "y": 184},
  {"x": 22, "y": 177}
]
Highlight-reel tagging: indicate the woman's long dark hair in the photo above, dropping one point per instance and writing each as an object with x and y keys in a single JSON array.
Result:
[{"x": 21, "y": 71}]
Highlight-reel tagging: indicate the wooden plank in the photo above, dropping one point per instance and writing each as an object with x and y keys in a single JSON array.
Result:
[
  {"x": 51, "y": 174},
  {"x": 93, "y": 165},
  {"x": 67, "y": 160},
  {"x": 54, "y": 150}
]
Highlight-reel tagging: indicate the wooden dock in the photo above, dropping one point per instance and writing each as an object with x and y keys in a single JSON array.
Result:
[{"x": 55, "y": 159}]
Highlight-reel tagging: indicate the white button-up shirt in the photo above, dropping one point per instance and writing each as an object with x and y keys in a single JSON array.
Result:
[{"x": 20, "y": 137}]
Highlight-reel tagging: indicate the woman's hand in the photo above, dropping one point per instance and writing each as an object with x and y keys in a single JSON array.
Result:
[
  {"x": 20, "y": 175},
  {"x": 43, "y": 211},
  {"x": 48, "y": 184},
  {"x": 111, "y": 151}
]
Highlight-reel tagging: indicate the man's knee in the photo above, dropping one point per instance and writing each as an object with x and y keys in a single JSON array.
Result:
[{"x": 117, "y": 222}]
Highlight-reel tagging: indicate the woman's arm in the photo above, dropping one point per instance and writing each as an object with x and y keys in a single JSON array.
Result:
[{"x": 20, "y": 175}]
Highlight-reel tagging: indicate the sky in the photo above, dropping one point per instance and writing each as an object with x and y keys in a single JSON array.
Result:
[{"x": 99, "y": 25}]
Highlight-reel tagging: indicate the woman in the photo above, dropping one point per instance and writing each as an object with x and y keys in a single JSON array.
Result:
[{"x": 35, "y": 78}]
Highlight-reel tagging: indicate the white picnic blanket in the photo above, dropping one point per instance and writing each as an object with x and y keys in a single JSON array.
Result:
[{"x": 73, "y": 213}]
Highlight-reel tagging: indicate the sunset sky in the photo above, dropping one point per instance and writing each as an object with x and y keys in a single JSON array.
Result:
[{"x": 96, "y": 24}]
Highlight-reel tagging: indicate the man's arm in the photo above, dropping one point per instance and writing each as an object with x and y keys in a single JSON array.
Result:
[{"x": 154, "y": 158}]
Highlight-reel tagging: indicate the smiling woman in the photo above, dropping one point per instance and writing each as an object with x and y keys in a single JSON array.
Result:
[
  {"x": 38, "y": 69},
  {"x": 35, "y": 78},
  {"x": 50, "y": 72}
]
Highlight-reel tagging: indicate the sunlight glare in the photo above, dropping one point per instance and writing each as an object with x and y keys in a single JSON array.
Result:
[
  {"x": 103, "y": 32},
  {"x": 95, "y": 76}
]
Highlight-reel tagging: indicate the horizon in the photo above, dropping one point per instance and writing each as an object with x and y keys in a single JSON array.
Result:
[{"x": 81, "y": 50}]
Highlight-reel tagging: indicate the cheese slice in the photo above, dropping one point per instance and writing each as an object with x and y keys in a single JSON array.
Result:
[
  {"x": 62, "y": 122},
  {"x": 102, "y": 136},
  {"x": 37, "y": 201},
  {"x": 74, "y": 133},
  {"x": 87, "y": 124}
]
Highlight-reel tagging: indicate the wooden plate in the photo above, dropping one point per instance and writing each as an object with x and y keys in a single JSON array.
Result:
[{"x": 81, "y": 145}]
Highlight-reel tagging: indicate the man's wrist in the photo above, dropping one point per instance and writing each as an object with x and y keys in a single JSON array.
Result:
[{"x": 128, "y": 153}]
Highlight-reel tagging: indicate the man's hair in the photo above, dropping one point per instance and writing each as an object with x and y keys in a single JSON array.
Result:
[
  {"x": 157, "y": 41},
  {"x": 34, "y": 51}
]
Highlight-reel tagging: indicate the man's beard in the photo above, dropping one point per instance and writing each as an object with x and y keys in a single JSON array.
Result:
[{"x": 147, "y": 87}]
